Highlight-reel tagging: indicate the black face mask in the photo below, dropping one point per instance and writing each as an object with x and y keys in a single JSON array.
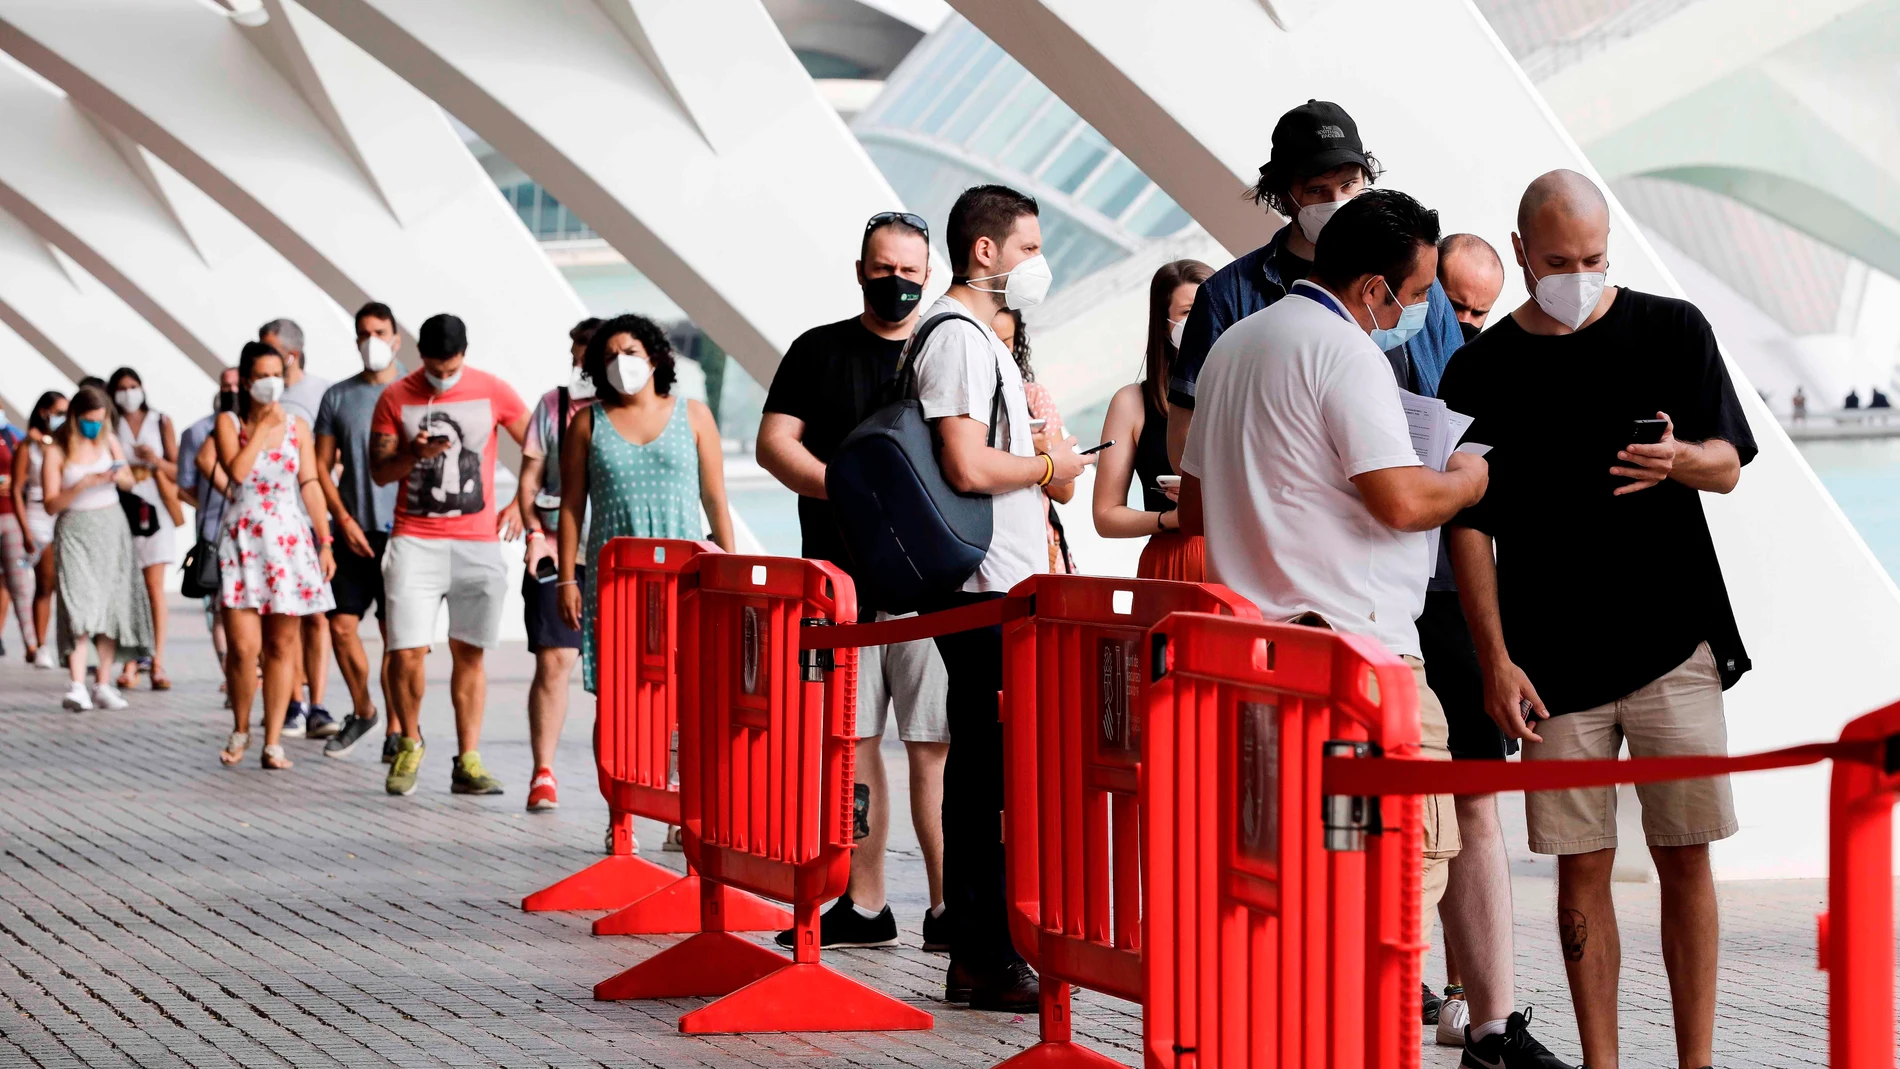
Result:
[
  {"x": 227, "y": 400},
  {"x": 892, "y": 298},
  {"x": 1470, "y": 331}
]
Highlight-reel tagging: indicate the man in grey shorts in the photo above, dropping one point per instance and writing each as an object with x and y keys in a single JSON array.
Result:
[{"x": 831, "y": 378}]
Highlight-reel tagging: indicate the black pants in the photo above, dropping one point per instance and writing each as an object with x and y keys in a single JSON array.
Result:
[
  {"x": 973, "y": 793},
  {"x": 1451, "y": 668}
]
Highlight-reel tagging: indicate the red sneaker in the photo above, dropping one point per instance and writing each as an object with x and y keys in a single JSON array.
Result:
[{"x": 542, "y": 791}]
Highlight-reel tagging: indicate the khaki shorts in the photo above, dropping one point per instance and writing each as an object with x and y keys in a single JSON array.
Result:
[
  {"x": 1439, "y": 817},
  {"x": 911, "y": 676},
  {"x": 1677, "y": 715}
]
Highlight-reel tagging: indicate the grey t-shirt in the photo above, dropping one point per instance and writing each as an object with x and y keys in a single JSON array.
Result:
[
  {"x": 210, "y": 502},
  {"x": 344, "y": 414},
  {"x": 305, "y": 396}
]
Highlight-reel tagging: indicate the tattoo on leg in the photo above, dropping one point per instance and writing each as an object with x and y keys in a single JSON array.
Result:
[
  {"x": 1573, "y": 932},
  {"x": 861, "y": 810}
]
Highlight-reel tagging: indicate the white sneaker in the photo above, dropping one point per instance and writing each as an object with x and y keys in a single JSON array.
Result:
[
  {"x": 1452, "y": 1018},
  {"x": 43, "y": 657},
  {"x": 76, "y": 698},
  {"x": 106, "y": 696}
]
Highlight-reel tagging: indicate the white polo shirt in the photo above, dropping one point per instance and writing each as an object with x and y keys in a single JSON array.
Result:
[{"x": 1293, "y": 402}]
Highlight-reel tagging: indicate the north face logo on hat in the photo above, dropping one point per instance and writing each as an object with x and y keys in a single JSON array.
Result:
[{"x": 1331, "y": 132}]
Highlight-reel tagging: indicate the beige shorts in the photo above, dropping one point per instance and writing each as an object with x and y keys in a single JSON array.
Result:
[
  {"x": 911, "y": 676},
  {"x": 1439, "y": 817},
  {"x": 1677, "y": 715}
]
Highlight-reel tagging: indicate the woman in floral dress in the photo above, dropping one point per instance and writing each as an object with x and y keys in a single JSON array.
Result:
[{"x": 272, "y": 569}]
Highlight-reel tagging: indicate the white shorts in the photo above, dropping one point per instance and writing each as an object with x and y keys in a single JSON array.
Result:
[
  {"x": 39, "y": 524},
  {"x": 420, "y": 573},
  {"x": 911, "y": 676}
]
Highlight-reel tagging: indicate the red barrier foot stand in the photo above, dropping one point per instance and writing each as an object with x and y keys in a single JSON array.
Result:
[
  {"x": 606, "y": 884},
  {"x": 1059, "y": 1054},
  {"x": 708, "y": 964},
  {"x": 674, "y": 909},
  {"x": 805, "y": 997}
]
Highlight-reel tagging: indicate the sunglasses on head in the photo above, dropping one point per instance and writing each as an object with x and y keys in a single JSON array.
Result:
[{"x": 909, "y": 219}]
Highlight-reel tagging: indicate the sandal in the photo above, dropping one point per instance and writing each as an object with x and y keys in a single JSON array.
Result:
[
  {"x": 234, "y": 747},
  {"x": 129, "y": 678},
  {"x": 274, "y": 758},
  {"x": 160, "y": 681}
]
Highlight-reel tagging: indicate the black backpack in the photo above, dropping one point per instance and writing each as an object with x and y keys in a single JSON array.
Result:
[{"x": 910, "y": 535}]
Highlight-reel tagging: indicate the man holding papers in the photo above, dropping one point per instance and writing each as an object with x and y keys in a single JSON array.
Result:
[{"x": 1301, "y": 465}]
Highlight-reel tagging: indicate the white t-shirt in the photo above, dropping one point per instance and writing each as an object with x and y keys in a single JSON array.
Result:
[
  {"x": 956, "y": 376},
  {"x": 1294, "y": 401}
]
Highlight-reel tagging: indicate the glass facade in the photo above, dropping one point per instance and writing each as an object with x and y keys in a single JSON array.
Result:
[
  {"x": 545, "y": 217},
  {"x": 959, "y": 112}
]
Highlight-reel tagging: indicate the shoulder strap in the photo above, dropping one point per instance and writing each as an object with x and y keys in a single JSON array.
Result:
[
  {"x": 560, "y": 425},
  {"x": 906, "y": 382}
]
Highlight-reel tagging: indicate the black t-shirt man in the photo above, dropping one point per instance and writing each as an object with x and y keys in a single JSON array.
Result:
[
  {"x": 832, "y": 377},
  {"x": 1600, "y": 594}
]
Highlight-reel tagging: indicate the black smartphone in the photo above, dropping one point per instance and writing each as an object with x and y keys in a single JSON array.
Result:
[
  {"x": 1098, "y": 448},
  {"x": 439, "y": 439},
  {"x": 545, "y": 570},
  {"x": 1647, "y": 431}
]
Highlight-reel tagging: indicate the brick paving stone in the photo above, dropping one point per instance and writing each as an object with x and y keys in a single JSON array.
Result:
[{"x": 157, "y": 909}]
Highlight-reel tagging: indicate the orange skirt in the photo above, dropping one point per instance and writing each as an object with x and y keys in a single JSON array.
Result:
[{"x": 1173, "y": 555}]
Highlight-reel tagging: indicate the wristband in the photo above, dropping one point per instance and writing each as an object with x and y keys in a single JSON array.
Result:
[
  {"x": 1050, "y": 472},
  {"x": 536, "y": 533},
  {"x": 324, "y": 540},
  {"x": 1159, "y": 526},
  {"x": 569, "y": 582}
]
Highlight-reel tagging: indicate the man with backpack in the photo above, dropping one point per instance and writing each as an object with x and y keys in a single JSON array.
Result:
[
  {"x": 973, "y": 397},
  {"x": 831, "y": 378}
]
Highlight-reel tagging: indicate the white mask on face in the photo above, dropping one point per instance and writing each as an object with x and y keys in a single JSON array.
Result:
[
  {"x": 1312, "y": 218},
  {"x": 1176, "y": 327},
  {"x": 443, "y": 383},
  {"x": 129, "y": 399},
  {"x": 267, "y": 391},
  {"x": 629, "y": 373},
  {"x": 579, "y": 385},
  {"x": 1028, "y": 283},
  {"x": 376, "y": 353},
  {"x": 1570, "y": 299}
]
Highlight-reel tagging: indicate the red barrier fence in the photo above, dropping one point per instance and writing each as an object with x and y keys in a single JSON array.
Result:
[
  {"x": 768, "y": 731},
  {"x": 1264, "y": 947},
  {"x": 1074, "y": 676},
  {"x": 1857, "y": 929}
]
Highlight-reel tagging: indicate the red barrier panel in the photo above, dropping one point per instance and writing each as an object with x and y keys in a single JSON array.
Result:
[
  {"x": 1263, "y": 947},
  {"x": 1073, "y": 676},
  {"x": 643, "y": 585},
  {"x": 1857, "y": 930},
  {"x": 768, "y": 808}
]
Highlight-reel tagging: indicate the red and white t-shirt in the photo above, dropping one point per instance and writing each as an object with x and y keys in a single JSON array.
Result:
[{"x": 451, "y": 495}]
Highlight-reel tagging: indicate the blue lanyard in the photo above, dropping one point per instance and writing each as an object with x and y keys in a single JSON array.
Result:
[{"x": 1314, "y": 292}]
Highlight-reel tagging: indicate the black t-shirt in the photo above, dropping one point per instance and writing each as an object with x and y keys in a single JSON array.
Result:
[
  {"x": 1600, "y": 595},
  {"x": 831, "y": 378}
]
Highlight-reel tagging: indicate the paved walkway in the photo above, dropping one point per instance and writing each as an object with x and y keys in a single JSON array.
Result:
[{"x": 157, "y": 909}]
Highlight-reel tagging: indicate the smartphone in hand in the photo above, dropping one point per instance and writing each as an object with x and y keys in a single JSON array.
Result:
[{"x": 1647, "y": 431}]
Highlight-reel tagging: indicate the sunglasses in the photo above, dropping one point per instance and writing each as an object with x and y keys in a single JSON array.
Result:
[{"x": 909, "y": 219}]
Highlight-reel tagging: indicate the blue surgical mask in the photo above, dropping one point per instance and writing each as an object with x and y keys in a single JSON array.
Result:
[
  {"x": 1411, "y": 321},
  {"x": 90, "y": 427},
  {"x": 54, "y": 423}
]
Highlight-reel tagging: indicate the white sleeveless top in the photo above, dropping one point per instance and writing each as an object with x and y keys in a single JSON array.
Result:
[
  {"x": 35, "y": 488},
  {"x": 104, "y": 495},
  {"x": 145, "y": 476}
]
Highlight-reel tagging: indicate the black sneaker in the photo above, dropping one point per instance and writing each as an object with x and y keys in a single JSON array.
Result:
[
  {"x": 345, "y": 739},
  {"x": 843, "y": 926},
  {"x": 937, "y": 932},
  {"x": 391, "y": 743},
  {"x": 318, "y": 723},
  {"x": 1432, "y": 1004},
  {"x": 294, "y": 720},
  {"x": 1013, "y": 989},
  {"x": 1514, "y": 1049}
]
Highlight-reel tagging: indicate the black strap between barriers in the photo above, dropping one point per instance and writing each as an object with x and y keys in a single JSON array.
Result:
[
  {"x": 911, "y": 628},
  {"x": 1408, "y": 775}
]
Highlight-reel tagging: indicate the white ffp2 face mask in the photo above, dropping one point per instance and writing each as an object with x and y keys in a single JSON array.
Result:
[
  {"x": 129, "y": 399},
  {"x": 1176, "y": 328},
  {"x": 377, "y": 353},
  {"x": 579, "y": 385},
  {"x": 1028, "y": 283},
  {"x": 1570, "y": 299},
  {"x": 1312, "y": 218},
  {"x": 629, "y": 373},
  {"x": 267, "y": 391}
]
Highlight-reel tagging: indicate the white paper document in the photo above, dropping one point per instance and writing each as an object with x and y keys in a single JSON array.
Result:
[{"x": 1435, "y": 432}]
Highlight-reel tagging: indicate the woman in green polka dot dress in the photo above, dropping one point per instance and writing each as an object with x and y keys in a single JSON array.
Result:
[{"x": 638, "y": 463}]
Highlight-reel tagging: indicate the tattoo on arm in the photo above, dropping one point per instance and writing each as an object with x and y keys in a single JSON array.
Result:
[{"x": 1573, "y": 931}]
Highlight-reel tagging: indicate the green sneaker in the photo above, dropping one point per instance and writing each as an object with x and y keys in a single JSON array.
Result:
[
  {"x": 469, "y": 777},
  {"x": 402, "y": 770}
]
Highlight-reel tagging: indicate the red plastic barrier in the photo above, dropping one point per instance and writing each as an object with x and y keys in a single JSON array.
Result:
[
  {"x": 642, "y": 583},
  {"x": 1074, "y": 675},
  {"x": 1857, "y": 930},
  {"x": 768, "y": 809},
  {"x": 1264, "y": 948}
]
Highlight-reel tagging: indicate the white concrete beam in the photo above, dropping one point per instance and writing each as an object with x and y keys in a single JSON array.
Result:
[
  {"x": 28, "y": 374},
  {"x": 202, "y": 279},
  {"x": 356, "y": 178},
  {"x": 687, "y": 135},
  {"x": 1190, "y": 91}
]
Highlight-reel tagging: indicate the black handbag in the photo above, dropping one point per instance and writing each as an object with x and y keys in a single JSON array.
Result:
[
  {"x": 198, "y": 576},
  {"x": 141, "y": 514}
]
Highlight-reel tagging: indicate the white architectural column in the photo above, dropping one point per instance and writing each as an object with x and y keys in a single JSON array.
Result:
[
  {"x": 686, "y": 134},
  {"x": 356, "y": 178},
  {"x": 1190, "y": 91},
  {"x": 28, "y": 374},
  {"x": 82, "y": 328},
  {"x": 203, "y": 280}
]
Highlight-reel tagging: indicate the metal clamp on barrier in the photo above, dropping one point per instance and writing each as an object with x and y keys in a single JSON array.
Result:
[
  {"x": 1349, "y": 818},
  {"x": 814, "y": 663}
]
